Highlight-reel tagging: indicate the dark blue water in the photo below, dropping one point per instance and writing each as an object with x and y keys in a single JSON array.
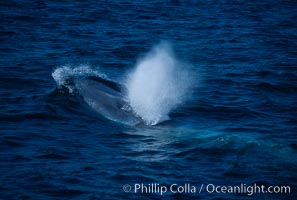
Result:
[{"x": 237, "y": 126}]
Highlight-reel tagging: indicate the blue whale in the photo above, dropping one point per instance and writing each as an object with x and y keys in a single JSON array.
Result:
[{"x": 106, "y": 98}]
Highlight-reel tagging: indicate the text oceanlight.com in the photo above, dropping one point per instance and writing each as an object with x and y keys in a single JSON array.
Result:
[{"x": 187, "y": 188}]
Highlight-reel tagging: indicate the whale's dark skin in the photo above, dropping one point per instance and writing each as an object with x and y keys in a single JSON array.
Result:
[{"x": 107, "y": 100}]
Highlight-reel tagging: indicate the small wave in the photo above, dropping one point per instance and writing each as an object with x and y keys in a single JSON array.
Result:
[{"x": 26, "y": 116}]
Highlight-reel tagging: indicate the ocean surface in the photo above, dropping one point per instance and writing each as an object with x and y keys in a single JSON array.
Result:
[{"x": 99, "y": 94}]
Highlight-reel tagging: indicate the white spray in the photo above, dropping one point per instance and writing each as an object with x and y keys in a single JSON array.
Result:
[{"x": 157, "y": 85}]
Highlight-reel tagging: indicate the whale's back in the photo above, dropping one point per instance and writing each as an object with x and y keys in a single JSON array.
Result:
[{"x": 106, "y": 99}]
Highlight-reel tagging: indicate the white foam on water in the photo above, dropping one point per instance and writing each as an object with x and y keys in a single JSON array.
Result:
[{"x": 64, "y": 73}]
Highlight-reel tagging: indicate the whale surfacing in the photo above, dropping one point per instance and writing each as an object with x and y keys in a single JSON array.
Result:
[{"x": 104, "y": 98}]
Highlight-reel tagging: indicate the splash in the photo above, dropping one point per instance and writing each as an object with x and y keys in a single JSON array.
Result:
[
  {"x": 62, "y": 74},
  {"x": 157, "y": 85}
]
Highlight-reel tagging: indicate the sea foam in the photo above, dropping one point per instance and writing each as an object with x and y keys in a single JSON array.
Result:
[{"x": 62, "y": 74}]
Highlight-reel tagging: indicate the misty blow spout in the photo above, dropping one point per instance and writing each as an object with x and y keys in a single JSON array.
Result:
[{"x": 157, "y": 85}]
